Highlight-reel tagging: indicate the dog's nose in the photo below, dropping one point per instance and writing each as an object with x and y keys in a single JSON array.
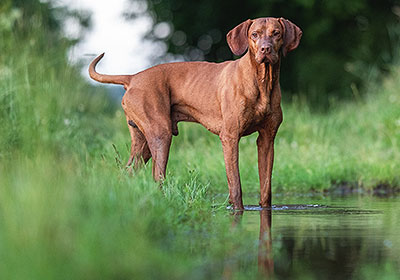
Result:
[{"x": 266, "y": 49}]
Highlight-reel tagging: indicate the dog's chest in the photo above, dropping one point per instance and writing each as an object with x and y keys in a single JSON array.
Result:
[{"x": 254, "y": 110}]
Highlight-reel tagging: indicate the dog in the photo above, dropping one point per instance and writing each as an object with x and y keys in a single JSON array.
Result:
[{"x": 231, "y": 99}]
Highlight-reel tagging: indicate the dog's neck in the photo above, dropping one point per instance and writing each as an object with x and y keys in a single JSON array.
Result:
[
  {"x": 265, "y": 77},
  {"x": 265, "y": 74}
]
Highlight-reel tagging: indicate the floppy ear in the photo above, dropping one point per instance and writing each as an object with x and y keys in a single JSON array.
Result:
[
  {"x": 291, "y": 37},
  {"x": 237, "y": 37}
]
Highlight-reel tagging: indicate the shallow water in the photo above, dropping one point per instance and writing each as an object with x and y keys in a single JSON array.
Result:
[{"x": 355, "y": 237}]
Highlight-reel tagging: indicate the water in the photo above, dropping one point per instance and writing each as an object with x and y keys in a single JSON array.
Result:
[{"x": 324, "y": 238}]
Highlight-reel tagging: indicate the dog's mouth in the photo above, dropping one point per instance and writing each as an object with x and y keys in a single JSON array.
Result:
[{"x": 267, "y": 59}]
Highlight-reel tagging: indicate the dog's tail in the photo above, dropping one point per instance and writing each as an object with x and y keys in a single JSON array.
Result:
[{"x": 109, "y": 79}]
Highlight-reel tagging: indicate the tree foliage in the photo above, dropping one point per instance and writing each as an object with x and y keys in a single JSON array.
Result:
[
  {"x": 344, "y": 42},
  {"x": 21, "y": 19}
]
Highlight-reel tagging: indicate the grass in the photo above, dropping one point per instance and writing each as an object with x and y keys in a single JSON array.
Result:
[
  {"x": 355, "y": 144},
  {"x": 68, "y": 209}
]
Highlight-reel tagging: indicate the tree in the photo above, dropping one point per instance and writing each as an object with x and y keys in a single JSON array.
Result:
[{"x": 343, "y": 41}]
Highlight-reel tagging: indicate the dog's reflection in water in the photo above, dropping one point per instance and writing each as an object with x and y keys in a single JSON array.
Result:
[{"x": 265, "y": 258}]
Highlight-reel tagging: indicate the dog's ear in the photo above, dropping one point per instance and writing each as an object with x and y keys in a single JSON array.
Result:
[
  {"x": 237, "y": 37},
  {"x": 291, "y": 37}
]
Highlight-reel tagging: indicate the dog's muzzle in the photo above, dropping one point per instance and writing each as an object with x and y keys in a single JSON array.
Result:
[{"x": 264, "y": 58}]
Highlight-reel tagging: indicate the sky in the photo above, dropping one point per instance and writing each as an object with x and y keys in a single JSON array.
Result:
[{"x": 122, "y": 40}]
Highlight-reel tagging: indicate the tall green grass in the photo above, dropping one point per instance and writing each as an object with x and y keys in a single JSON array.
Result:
[
  {"x": 355, "y": 144},
  {"x": 68, "y": 208}
]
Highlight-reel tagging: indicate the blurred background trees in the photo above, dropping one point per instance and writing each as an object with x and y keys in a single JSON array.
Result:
[
  {"x": 21, "y": 19},
  {"x": 345, "y": 43}
]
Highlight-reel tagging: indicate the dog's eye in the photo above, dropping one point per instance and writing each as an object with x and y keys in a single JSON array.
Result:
[
  {"x": 254, "y": 35},
  {"x": 277, "y": 33}
]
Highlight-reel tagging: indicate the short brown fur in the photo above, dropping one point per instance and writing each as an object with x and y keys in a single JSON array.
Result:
[{"x": 231, "y": 99}]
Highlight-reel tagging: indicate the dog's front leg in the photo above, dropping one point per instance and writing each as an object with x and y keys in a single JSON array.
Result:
[
  {"x": 230, "y": 145},
  {"x": 265, "y": 148}
]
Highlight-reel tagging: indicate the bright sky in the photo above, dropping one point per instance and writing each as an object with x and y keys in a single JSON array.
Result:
[{"x": 121, "y": 40}]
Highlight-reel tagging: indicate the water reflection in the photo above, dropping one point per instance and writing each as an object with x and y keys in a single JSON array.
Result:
[
  {"x": 265, "y": 259},
  {"x": 231, "y": 262},
  {"x": 315, "y": 240}
]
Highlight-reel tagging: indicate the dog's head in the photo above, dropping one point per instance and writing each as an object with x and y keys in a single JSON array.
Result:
[{"x": 265, "y": 38}]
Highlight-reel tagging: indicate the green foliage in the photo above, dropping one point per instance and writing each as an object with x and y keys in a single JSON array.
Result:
[
  {"x": 37, "y": 112},
  {"x": 345, "y": 44},
  {"x": 68, "y": 208},
  {"x": 356, "y": 145}
]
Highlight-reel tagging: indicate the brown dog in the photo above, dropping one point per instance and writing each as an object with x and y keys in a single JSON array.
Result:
[{"x": 231, "y": 99}]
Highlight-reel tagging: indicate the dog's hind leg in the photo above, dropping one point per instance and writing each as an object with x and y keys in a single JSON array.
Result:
[
  {"x": 140, "y": 152},
  {"x": 159, "y": 142},
  {"x": 150, "y": 112}
]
